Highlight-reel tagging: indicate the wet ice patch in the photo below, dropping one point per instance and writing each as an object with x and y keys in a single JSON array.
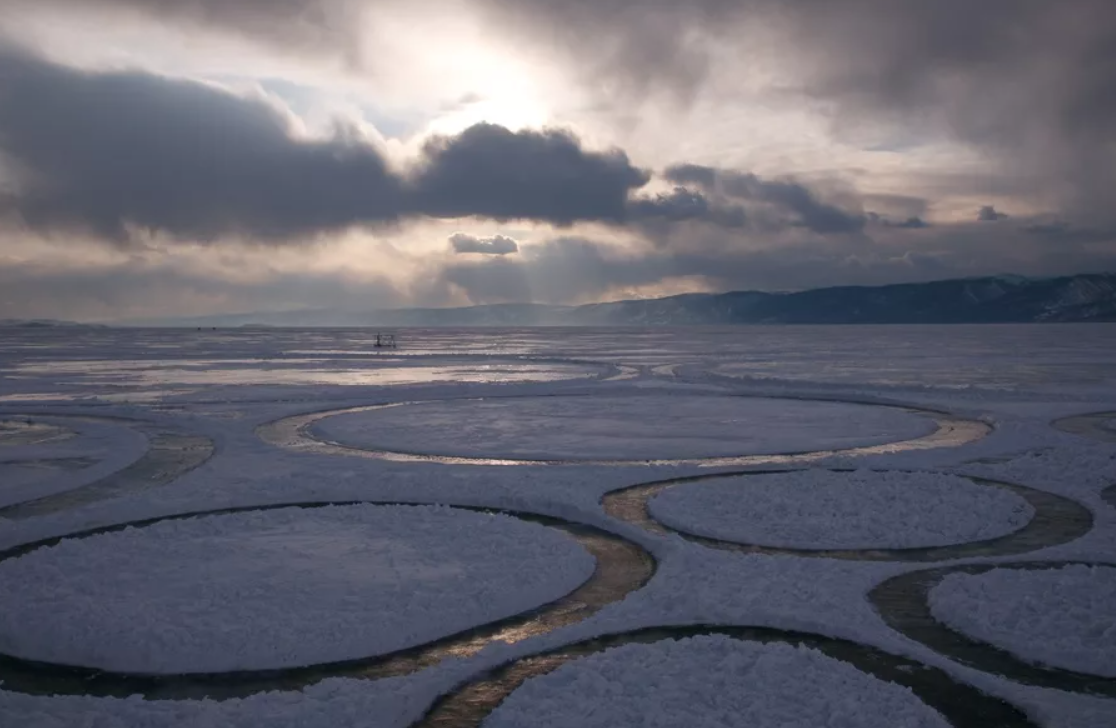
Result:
[
  {"x": 1060, "y": 617},
  {"x": 14, "y": 432},
  {"x": 822, "y": 509},
  {"x": 279, "y": 588},
  {"x": 711, "y": 682},
  {"x": 645, "y": 426}
]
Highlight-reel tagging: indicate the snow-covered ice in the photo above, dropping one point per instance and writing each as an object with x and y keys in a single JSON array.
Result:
[
  {"x": 822, "y": 509},
  {"x": 278, "y": 588},
  {"x": 1060, "y": 617},
  {"x": 626, "y": 386},
  {"x": 64, "y": 457},
  {"x": 643, "y": 426},
  {"x": 711, "y": 682}
]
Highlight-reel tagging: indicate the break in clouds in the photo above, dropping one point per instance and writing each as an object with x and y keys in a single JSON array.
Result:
[{"x": 120, "y": 154}]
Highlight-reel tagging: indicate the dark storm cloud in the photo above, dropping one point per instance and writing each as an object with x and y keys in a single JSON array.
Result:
[
  {"x": 115, "y": 152},
  {"x": 685, "y": 205},
  {"x": 911, "y": 223},
  {"x": 495, "y": 245},
  {"x": 108, "y": 151},
  {"x": 988, "y": 213},
  {"x": 489, "y": 171},
  {"x": 802, "y": 202}
]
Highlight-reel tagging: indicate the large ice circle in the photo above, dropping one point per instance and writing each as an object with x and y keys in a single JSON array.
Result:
[
  {"x": 711, "y": 682},
  {"x": 615, "y": 427},
  {"x": 1057, "y": 617},
  {"x": 278, "y": 588},
  {"x": 823, "y": 509}
]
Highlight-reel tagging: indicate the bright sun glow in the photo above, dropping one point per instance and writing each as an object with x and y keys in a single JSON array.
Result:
[{"x": 474, "y": 77}]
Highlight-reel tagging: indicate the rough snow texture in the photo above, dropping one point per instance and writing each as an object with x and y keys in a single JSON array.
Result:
[
  {"x": 711, "y": 682},
  {"x": 621, "y": 427},
  {"x": 820, "y": 509},
  {"x": 1018, "y": 377},
  {"x": 278, "y": 588},
  {"x": 1061, "y": 617}
]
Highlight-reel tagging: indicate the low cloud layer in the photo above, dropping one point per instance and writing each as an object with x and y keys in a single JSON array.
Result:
[
  {"x": 988, "y": 213},
  {"x": 799, "y": 203},
  {"x": 495, "y": 245}
]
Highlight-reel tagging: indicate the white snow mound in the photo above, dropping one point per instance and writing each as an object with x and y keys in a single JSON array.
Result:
[
  {"x": 711, "y": 682},
  {"x": 279, "y": 588},
  {"x": 822, "y": 509},
  {"x": 1059, "y": 617}
]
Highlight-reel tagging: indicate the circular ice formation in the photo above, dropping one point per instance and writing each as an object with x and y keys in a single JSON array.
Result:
[
  {"x": 1059, "y": 617},
  {"x": 711, "y": 682},
  {"x": 823, "y": 509},
  {"x": 278, "y": 588},
  {"x": 619, "y": 427}
]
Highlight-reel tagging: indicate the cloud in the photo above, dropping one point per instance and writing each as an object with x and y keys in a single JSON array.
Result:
[
  {"x": 495, "y": 245},
  {"x": 988, "y": 213},
  {"x": 685, "y": 205},
  {"x": 138, "y": 288},
  {"x": 489, "y": 171},
  {"x": 322, "y": 26},
  {"x": 911, "y": 223},
  {"x": 806, "y": 209},
  {"x": 116, "y": 153},
  {"x": 1063, "y": 232},
  {"x": 1026, "y": 83},
  {"x": 570, "y": 269}
]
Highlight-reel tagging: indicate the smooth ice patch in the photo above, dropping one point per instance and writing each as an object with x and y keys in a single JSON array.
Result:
[
  {"x": 279, "y": 588},
  {"x": 620, "y": 427},
  {"x": 821, "y": 509},
  {"x": 711, "y": 682},
  {"x": 1061, "y": 617}
]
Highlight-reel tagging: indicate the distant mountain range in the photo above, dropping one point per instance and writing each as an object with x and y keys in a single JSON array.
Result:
[{"x": 999, "y": 299}]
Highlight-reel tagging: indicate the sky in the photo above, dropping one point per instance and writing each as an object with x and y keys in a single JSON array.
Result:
[{"x": 167, "y": 158}]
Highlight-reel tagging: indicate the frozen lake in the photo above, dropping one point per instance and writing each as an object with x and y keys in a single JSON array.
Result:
[{"x": 271, "y": 578}]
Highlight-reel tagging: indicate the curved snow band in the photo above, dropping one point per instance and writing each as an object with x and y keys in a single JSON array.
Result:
[
  {"x": 903, "y": 603},
  {"x": 294, "y": 433},
  {"x": 170, "y": 454},
  {"x": 1057, "y": 520},
  {"x": 622, "y": 567},
  {"x": 962, "y": 705},
  {"x": 25, "y": 431},
  {"x": 1095, "y": 426}
]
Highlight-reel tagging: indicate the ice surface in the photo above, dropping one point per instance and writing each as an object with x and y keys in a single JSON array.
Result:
[
  {"x": 1018, "y": 378},
  {"x": 1061, "y": 617},
  {"x": 28, "y": 432},
  {"x": 645, "y": 426},
  {"x": 711, "y": 682},
  {"x": 35, "y": 467},
  {"x": 278, "y": 588},
  {"x": 821, "y": 509}
]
